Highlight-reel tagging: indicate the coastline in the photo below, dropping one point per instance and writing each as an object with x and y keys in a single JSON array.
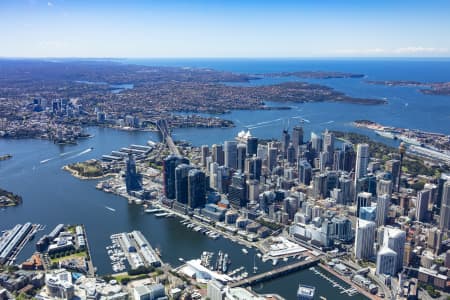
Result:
[{"x": 77, "y": 175}]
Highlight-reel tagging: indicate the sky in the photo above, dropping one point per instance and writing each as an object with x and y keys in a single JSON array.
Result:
[{"x": 229, "y": 28}]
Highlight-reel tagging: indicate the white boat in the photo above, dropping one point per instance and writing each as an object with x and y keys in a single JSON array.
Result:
[
  {"x": 245, "y": 251},
  {"x": 386, "y": 134}
]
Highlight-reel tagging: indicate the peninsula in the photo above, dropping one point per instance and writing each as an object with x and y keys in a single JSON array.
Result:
[{"x": 55, "y": 99}]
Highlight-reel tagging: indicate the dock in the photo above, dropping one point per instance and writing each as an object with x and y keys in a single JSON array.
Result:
[{"x": 276, "y": 273}]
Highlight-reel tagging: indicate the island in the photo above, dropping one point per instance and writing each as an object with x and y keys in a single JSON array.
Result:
[
  {"x": 429, "y": 88},
  {"x": 55, "y": 100},
  {"x": 9, "y": 198}
]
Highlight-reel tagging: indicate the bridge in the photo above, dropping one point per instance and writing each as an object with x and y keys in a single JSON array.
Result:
[
  {"x": 167, "y": 138},
  {"x": 276, "y": 273}
]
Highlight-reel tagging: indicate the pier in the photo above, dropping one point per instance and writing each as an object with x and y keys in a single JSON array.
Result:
[
  {"x": 276, "y": 273},
  {"x": 167, "y": 138}
]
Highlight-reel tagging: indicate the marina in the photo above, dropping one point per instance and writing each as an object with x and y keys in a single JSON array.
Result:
[{"x": 132, "y": 248}]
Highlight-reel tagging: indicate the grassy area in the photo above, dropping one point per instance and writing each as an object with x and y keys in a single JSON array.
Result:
[
  {"x": 79, "y": 254},
  {"x": 91, "y": 168}
]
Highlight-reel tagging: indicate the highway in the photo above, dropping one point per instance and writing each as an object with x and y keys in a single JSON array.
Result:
[{"x": 167, "y": 138}]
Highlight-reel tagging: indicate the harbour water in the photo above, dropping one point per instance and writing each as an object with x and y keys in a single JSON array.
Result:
[{"x": 52, "y": 196}]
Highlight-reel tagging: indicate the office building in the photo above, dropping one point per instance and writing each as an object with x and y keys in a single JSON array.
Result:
[
  {"x": 393, "y": 166},
  {"x": 230, "y": 154},
  {"x": 169, "y": 166},
  {"x": 395, "y": 240},
  {"x": 368, "y": 213},
  {"x": 133, "y": 180},
  {"x": 422, "y": 202},
  {"x": 181, "y": 183},
  {"x": 241, "y": 156},
  {"x": 362, "y": 199},
  {"x": 237, "y": 192},
  {"x": 253, "y": 166},
  {"x": 304, "y": 172},
  {"x": 272, "y": 158},
  {"x": 364, "y": 239},
  {"x": 196, "y": 188},
  {"x": 205, "y": 154},
  {"x": 285, "y": 140},
  {"x": 215, "y": 290},
  {"x": 386, "y": 262},
  {"x": 362, "y": 160},
  {"x": 149, "y": 292},
  {"x": 383, "y": 203},
  {"x": 252, "y": 146},
  {"x": 297, "y": 138},
  {"x": 218, "y": 154},
  {"x": 444, "y": 220}
]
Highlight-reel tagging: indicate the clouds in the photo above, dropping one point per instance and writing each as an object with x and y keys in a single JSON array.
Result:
[
  {"x": 402, "y": 51},
  {"x": 49, "y": 4}
]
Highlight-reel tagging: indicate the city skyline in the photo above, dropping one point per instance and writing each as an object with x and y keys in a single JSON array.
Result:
[{"x": 210, "y": 29}]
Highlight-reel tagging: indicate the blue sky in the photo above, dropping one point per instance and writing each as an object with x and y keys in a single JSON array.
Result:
[{"x": 195, "y": 28}]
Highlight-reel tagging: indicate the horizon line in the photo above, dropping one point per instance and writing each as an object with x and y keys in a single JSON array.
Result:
[{"x": 229, "y": 57}]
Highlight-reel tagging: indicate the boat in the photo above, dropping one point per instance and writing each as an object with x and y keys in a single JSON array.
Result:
[
  {"x": 110, "y": 208},
  {"x": 386, "y": 134},
  {"x": 245, "y": 251},
  {"x": 160, "y": 215},
  {"x": 181, "y": 259},
  {"x": 274, "y": 262}
]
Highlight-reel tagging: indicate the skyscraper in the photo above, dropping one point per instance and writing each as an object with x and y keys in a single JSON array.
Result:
[
  {"x": 316, "y": 144},
  {"x": 362, "y": 199},
  {"x": 230, "y": 152},
  {"x": 423, "y": 199},
  {"x": 297, "y": 138},
  {"x": 205, "y": 153},
  {"x": 444, "y": 220},
  {"x": 217, "y": 154},
  {"x": 328, "y": 145},
  {"x": 253, "y": 167},
  {"x": 393, "y": 167},
  {"x": 237, "y": 193},
  {"x": 386, "y": 262},
  {"x": 364, "y": 239},
  {"x": 285, "y": 140},
  {"x": 395, "y": 239},
  {"x": 272, "y": 158},
  {"x": 362, "y": 160},
  {"x": 383, "y": 203},
  {"x": 304, "y": 172},
  {"x": 290, "y": 155},
  {"x": 133, "y": 180},
  {"x": 181, "y": 183},
  {"x": 349, "y": 157},
  {"x": 197, "y": 188},
  {"x": 252, "y": 146},
  {"x": 169, "y": 165},
  {"x": 241, "y": 155}
]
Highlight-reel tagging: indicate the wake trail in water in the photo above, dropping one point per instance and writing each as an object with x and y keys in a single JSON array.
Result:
[
  {"x": 81, "y": 153},
  {"x": 67, "y": 153},
  {"x": 263, "y": 123},
  {"x": 110, "y": 208}
]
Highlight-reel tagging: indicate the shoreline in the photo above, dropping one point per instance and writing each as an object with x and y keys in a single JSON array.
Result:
[{"x": 77, "y": 175}]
